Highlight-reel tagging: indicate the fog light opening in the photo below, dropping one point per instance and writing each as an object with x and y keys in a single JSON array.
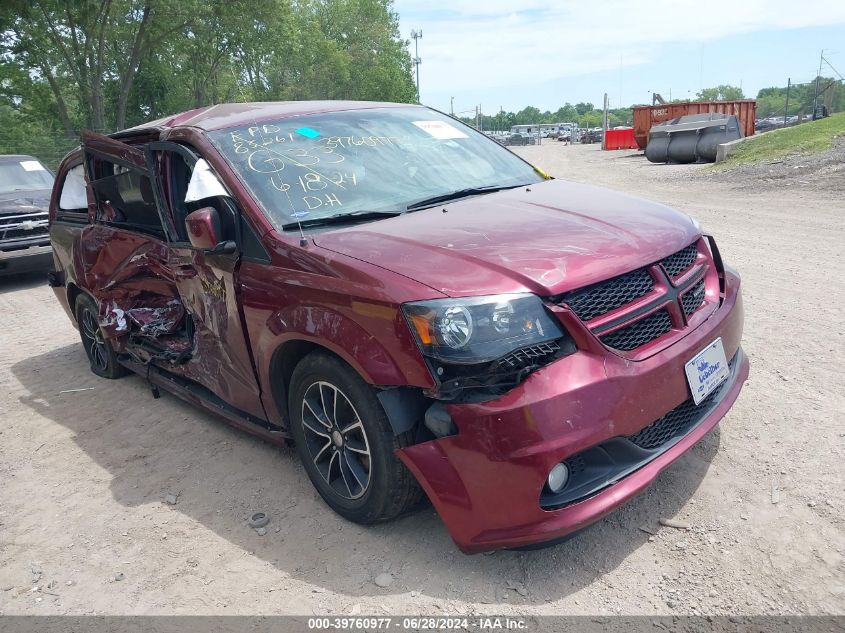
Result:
[{"x": 558, "y": 477}]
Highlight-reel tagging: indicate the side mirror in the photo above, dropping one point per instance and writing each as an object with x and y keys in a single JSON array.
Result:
[{"x": 203, "y": 227}]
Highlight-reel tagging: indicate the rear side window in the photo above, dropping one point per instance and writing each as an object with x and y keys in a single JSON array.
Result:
[
  {"x": 125, "y": 198},
  {"x": 73, "y": 200}
]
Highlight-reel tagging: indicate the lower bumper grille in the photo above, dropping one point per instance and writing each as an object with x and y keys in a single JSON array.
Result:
[{"x": 678, "y": 421}]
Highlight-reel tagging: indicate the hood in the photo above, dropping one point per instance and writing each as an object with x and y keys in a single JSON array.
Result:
[
  {"x": 19, "y": 202},
  {"x": 548, "y": 238}
]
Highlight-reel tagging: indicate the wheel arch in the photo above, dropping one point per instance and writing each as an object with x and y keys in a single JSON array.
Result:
[
  {"x": 73, "y": 292},
  {"x": 402, "y": 405},
  {"x": 284, "y": 360}
]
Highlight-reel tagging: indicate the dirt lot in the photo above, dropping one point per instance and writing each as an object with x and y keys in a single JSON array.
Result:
[{"x": 84, "y": 527}]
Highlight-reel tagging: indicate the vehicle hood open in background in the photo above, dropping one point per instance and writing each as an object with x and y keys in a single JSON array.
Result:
[{"x": 548, "y": 238}]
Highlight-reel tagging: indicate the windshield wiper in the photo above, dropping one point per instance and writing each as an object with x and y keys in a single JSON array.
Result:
[
  {"x": 342, "y": 218},
  {"x": 454, "y": 195}
]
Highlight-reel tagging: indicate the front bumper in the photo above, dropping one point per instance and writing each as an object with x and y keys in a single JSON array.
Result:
[
  {"x": 486, "y": 481},
  {"x": 26, "y": 260}
]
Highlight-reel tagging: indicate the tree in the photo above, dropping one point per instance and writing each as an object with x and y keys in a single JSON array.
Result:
[
  {"x": 583, "y": 108},
  {"x": 567, "y": 113},
  {"x": 720, "y": 93},
  {"x": 108, "y": 64}
]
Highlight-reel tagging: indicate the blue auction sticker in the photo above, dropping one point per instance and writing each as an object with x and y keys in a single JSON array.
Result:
[{"x": 308, "y": 132}]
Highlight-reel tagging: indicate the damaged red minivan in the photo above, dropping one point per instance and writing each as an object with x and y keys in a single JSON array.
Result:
[{"x": 414, "y": 306}]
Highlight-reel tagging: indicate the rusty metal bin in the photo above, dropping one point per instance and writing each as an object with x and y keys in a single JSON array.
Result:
[{"x": 647, "y": 116}]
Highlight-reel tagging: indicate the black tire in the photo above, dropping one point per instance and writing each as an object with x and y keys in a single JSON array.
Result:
[
  {"x": 338, "y": 468},
  {"x": 100, "y": 353}
]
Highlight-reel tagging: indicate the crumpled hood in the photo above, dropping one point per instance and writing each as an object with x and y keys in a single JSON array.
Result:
[
  {"x": 549, "y": 238},
  {"x": 16, "y": 202}
]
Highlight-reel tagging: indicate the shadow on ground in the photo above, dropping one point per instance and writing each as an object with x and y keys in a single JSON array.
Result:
[
  {"x": 153, "y": 447},
  {"x": 22, "y": 281}
]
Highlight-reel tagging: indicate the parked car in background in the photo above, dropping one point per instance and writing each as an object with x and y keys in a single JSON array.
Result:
[
  {"x": 25, "y": 185},
  {"x": 591, "y": 135},
  {"x": 416, "y": 307},
  {"x": 518, "y": 139}
]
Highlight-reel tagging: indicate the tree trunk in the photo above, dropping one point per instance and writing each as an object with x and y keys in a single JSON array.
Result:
[
  {"x": 97, "y": 63},
  {"x": 138, "y": 47},
  {"x": 67, "y": 124}
]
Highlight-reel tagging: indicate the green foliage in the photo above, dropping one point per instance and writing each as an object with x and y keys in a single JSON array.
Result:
[
  {"x": 772, "y": 101},
  {"x": 720, "y": 93},
  {"x": 584, "y": 114},
  {"x": 808, "y": 138},
  {"x": 110, "y": 64}
]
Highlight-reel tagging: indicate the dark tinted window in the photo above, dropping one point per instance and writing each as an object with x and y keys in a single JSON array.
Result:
[{"x": 125, "y": 197}]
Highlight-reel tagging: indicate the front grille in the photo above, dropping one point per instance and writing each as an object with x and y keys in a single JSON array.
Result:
[
  {"x": 640, "y": 291},
  {"x": 18, "y": 227},
  {"x": 677, "y": 422},
  {"x": 678, "y": 262},
  {"x": 601, "y": 298},
  {"x": 639, "y": 332},
  {"x": 527, "y": 356},
  {"x": 693, "y": 298},
  {"x": 12, "y": 234}
]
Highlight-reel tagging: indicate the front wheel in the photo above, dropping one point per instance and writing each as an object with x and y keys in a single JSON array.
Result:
[{"x": 346, "y": 443}]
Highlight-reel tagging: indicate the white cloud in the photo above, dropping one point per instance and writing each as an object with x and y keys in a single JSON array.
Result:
[{"x": 484, "y": 44}]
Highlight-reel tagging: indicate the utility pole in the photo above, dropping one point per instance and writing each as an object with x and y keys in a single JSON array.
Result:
[
  {"x": 476, "y": 117},
  {"x": 818, "y": 77},
  {"x": 786, "y": 107},
  {"x": 604, "y": 123},
  {"x": 451, "y": 105},
  {"x": 417, "y": 35}
]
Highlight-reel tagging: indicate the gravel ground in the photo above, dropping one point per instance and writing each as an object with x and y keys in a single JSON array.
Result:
[{"x": 85, "y": 526}]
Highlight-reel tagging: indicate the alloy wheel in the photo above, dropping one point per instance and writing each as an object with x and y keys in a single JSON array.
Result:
[
  {"x": 95, "y": 344},
  {"x": 336, "y": 440}
]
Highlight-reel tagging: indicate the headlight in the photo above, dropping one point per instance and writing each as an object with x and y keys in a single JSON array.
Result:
[{"x": 479, "y": 329}]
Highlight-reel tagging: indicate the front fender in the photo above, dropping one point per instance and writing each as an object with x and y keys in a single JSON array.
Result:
[
  {"x": 339, "y": 334},
  {"x": 372, "y": 338}
]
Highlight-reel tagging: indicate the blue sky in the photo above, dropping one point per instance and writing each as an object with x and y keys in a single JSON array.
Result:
[{"x": 543, "y": 52}]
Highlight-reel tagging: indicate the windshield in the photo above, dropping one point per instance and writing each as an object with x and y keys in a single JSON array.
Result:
[
  {"x": 364, "y": 161},
  {"x": 26, "y": 174}
]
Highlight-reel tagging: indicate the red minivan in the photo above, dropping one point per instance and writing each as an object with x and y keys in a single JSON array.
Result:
[{"x": 414, "y": 306}]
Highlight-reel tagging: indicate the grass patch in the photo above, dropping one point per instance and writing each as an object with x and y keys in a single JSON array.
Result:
[{"x": 808, "y": 138}]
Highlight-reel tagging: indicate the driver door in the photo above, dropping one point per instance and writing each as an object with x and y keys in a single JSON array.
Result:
[{"x": 207, "y": 283}]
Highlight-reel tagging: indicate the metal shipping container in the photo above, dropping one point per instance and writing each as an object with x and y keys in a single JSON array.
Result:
[{"x": 646, "y": 116}]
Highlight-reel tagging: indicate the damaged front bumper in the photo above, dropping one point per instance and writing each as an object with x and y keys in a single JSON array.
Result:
[
  {"x": 487, "y": 481},
  {"x": 26, "y": 260}
]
